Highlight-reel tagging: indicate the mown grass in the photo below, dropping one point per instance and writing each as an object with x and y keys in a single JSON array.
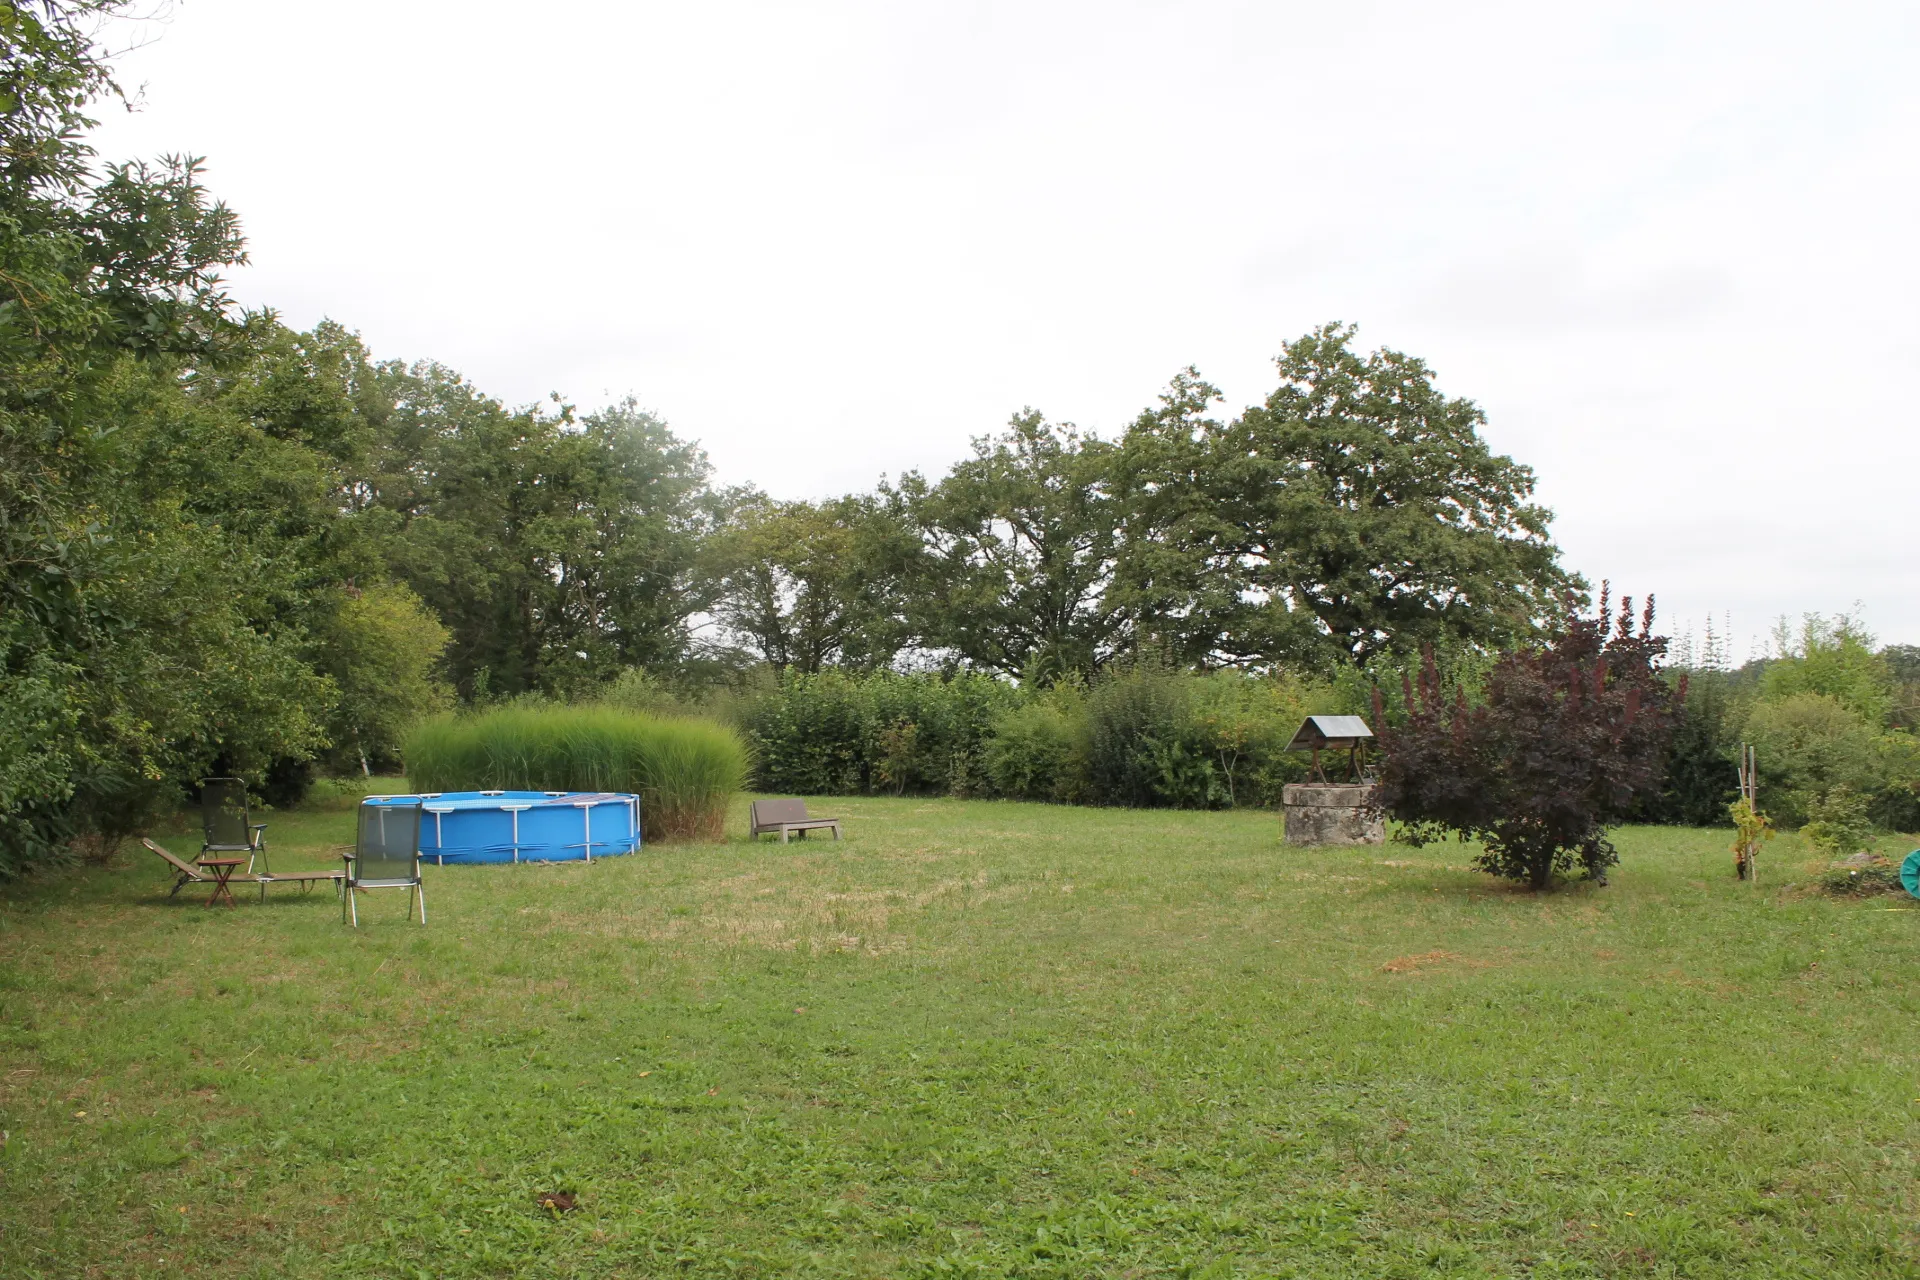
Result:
[{"x": 974, "y": 1039}]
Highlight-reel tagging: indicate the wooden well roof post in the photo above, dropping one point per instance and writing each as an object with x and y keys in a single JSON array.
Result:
[{"x": 1319, "y": 733}]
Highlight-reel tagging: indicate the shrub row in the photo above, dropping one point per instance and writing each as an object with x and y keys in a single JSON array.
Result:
[
  {"x": 684, "y": 770},
  {"x": 1142, "y": 737},
  {"x": 836, "y": 734}
]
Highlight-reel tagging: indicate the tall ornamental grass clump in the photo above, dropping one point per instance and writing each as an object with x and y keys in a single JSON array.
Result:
[{"x": 685, "y": 771}]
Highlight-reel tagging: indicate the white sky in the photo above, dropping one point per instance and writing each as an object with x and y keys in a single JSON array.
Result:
[{"x": 1669, "y": 247}]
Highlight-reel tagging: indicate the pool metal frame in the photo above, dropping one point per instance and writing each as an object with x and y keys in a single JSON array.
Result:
[{"x": 587, "y": 803}]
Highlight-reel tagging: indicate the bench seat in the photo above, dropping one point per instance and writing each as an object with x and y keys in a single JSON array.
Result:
[{"x": 788, "y": 817}]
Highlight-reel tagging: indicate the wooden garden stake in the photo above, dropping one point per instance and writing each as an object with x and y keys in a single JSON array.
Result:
[{"x": 1751, "y": 826}]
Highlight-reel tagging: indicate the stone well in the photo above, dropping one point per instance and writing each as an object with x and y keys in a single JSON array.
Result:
[{"x": 1331, "y": 813}]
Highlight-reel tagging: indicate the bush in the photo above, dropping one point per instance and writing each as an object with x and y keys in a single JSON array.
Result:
[
  {"x": 380, "y": 645},
  {"x": 1245, "y": 725},
  {"x": 1144, "y": 736},
  {"x": 1140, "y": 746},
  {"x": 286, "y": 782},
  {"x": 835, "y": 734},
  {"x": 1806, "y": 745},
  {"x": 1573, "y": 734},
  {"x": 1031, "y": 753},
  {"x": 1153, "y": 737},
  {"x": 685, "y": 771},
  {"x": 1839, "y": 823},
  {"x": 1895, "y": 805},
  {"x": 1701, "y": 780},
  {"x": 1876, "y": 877}
]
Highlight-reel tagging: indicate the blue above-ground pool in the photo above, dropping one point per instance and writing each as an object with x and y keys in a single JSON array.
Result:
[{"x": 523, "y": 826}]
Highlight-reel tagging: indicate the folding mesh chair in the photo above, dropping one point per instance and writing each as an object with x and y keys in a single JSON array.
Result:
[
  {"x": 386, "y": 856},
  {"x": 229, "y": 824}
]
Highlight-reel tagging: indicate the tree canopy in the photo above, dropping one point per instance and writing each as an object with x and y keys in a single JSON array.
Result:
[
  {"x": 1356, "y": 512},
  {"x": 228, "y": 546}
]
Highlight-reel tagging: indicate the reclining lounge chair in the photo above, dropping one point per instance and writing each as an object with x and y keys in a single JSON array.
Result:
[{"x": 190, "y": 874}]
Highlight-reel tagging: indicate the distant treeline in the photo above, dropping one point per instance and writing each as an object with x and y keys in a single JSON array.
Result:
[
  {"x": 1831, "y": 719},
  {"x": 229, "y": 547}
]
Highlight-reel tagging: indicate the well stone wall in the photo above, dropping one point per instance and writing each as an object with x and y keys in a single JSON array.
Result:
[{"x": 1331, "y": 813}]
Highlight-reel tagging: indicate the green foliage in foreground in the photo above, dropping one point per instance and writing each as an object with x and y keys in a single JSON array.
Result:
[
  {"x": 685, "y": 771},
  {"x": 973, "y": 1039}
]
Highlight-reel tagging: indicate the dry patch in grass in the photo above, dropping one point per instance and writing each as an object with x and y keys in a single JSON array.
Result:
[
  {"x": 1430, "y": 960},
  {"x": 783, "y": 915}
]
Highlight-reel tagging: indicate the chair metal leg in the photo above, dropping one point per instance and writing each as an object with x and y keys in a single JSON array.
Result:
[
  {"x": 422, "y": 890},
  {"x": 353, "y": 907}
]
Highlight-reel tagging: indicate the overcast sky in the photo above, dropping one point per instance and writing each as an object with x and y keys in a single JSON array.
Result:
[{"x": 1668, "y": 247}]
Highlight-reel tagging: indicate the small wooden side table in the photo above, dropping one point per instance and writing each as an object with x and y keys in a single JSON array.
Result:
[{"x": 222, "y": 869}]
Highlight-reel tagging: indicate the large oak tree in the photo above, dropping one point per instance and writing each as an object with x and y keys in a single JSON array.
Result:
[{"x": 1357, "y": 511}]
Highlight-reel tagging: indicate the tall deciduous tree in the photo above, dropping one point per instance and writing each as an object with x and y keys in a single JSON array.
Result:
[
  {"x": 1019, "y": 547},
  {"x": 1835, "y": 658},
  {"x": 557, "y": 551},
  {"x": 1178, "y": 574},
  {"x": 1355, "y": 512},
  {"x": 381, "y": 646},
  {"x": 813, "y": 585},
  {"x": 144, "y": 627}
]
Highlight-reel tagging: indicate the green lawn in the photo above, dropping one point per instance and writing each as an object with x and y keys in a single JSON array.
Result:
[{"x": 974, "y": 1039}]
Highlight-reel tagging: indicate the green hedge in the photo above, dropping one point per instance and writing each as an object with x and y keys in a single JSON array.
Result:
[
  {"x": 1143, "y": 737},
  {"x": 834, "y": 734},
  {"x": 685, "y": 771}
]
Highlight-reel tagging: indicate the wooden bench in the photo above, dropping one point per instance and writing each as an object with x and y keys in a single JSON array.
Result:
[{"x": 787, "y": 816}]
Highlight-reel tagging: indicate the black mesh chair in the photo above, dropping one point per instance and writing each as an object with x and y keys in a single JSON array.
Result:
[
  {"x": 386, "y": 855},
  {"x": 229, "y": 825}
]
